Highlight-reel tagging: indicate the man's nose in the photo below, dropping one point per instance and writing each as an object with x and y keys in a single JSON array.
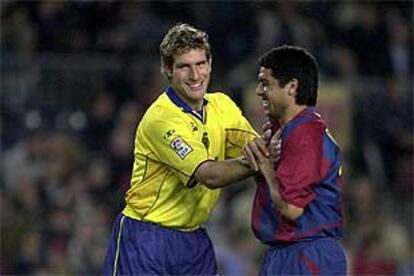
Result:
[
  {"x": 194, "y": 73},
  {"x": 259, "y": 90}
]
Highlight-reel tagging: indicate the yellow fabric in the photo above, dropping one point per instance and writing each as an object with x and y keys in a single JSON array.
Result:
[{"x": 168, "y": 149}]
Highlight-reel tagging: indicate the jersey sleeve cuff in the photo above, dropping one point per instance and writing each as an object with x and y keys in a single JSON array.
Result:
[{"x": 192, "y": 182}]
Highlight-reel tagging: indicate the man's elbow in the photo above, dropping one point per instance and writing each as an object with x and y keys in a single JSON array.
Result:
[
  {"x": 292, "y": 213},
  {"x": 211, "y": 184},
  {"x": 212, "y": 180},
  {"x": 208, "y": 176},
  {"x": 289, "y": 211}
]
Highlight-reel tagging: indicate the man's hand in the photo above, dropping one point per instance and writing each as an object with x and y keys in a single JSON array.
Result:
[
  {"x": 255, "y": 150},
  {"x": 266, "y": 147},
  {"x": 267, "y": 132},
  {"x": 275, "y": 146},
  {"x": 265, "y": 164},
  {"x": 273, "y": 143}
]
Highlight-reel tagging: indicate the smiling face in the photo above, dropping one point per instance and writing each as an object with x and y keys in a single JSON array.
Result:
[
  {"x": 275, "y": 99},
  {"x": 190, "y": 75}
]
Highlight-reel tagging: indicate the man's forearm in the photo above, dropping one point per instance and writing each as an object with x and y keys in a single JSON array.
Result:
[
  {"x": 217, "y": 174},
  {"x": 287, "y": 210}
]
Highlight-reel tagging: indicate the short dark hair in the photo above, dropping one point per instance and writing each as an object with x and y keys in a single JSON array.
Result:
[{"x": 292, "y": 62}]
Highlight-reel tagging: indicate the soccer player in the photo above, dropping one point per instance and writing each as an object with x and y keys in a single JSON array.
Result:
[
  {"x": 297, "y": 209},
  {"x": 187, "y": 145}
]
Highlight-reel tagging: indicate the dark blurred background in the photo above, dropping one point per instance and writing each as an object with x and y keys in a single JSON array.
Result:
[{"x": 76, "y": 77}]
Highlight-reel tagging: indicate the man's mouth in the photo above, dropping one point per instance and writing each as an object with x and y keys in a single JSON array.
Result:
[
  {"x": 196, "y": 86},
  {"x": 265, "y": 103}
]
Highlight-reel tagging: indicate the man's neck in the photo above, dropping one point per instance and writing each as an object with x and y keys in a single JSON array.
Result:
[
  {"x": 195, "y": 105},
  {"x": 291, "y": 112}
]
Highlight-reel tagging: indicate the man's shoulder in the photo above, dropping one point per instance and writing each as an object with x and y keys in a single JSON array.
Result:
[
  {"x": 161, "y": 102},
  {"x": 222, "y": 101},
  {"x": 308, "y": 119},
  {"x": 218, "y": 97},
  {"x": 306, "y": 126},
  {"x": 161, "y": 108}
]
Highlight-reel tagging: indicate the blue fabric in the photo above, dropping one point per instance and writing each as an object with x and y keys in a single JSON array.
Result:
[
  {"x": 269, "y": 219},
  {"x": 322, "y": 217},
  {"x": 149, "y": 249},
  {"x": 309, "y": 114},
  {"x": 185, "y": 106},
  {"x": 318, "y": 257}
]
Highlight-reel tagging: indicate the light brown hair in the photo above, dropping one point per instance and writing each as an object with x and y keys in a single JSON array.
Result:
[{"x": 180, "y": 39}]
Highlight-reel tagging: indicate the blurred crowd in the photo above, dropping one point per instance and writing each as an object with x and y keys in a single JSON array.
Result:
[{"x": 78, "y": 75}]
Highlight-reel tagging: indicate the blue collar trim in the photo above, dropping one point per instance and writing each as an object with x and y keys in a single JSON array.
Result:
[
  {"x": 183, "y": 105},
  {"x": 179, "y": 102}
]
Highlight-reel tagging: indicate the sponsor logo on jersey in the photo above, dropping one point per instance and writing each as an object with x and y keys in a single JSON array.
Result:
[{"x": 180, "y": 147}]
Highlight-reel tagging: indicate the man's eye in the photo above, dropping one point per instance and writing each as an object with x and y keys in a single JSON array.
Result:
[{"x": 181, "y": 66}]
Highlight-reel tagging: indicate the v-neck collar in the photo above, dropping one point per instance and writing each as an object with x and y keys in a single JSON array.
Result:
[{"x": 186, "y": 107}]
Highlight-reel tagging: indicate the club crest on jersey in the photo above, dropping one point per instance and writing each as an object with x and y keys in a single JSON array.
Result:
[
  {"x": 180, "y": 147},
  {"x": 169, "y": 133},
  {"x": 194, "y": 127},
  {"x": 205, "y": 140}
]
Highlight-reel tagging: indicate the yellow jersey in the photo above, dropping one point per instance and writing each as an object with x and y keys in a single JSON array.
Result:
[{"x": 171, "y": 141}]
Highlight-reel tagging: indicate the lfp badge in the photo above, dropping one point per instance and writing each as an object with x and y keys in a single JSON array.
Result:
[{"x": 180, "y": 147}]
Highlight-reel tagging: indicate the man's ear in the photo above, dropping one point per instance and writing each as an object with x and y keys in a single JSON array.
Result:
[
  {"x": 292, "y": 87},
  {"x": 166, "y": 71}
]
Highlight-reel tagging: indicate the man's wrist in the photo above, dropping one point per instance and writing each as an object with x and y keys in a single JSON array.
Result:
[{"x": 243, "y": 160}]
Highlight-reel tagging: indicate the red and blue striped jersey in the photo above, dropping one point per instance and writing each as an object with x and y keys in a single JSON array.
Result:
[{"x": 309, "y": 173}]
